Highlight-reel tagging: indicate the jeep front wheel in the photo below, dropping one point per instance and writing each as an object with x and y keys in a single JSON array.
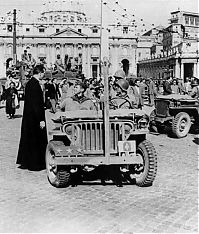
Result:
[
  {"x": 58, "y": 177},
  {"x": 145, "y": 169},
  {"x": 181, "y": 125}
]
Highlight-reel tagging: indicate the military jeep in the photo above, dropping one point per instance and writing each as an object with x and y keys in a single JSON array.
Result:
[
  {"x": 175, "y": 113},
  {"x": 78, "y": 145}
]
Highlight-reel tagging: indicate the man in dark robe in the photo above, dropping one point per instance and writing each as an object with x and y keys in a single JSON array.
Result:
[{"x": 33, "y": 142}]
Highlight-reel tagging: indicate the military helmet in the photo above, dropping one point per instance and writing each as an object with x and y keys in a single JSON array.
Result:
[
  {"x": 119, "y": 74},
  {"x": 123, "y": 84}
]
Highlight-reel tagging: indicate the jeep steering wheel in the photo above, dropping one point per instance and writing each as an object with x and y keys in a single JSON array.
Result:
[{"x": 113, "y": 103}]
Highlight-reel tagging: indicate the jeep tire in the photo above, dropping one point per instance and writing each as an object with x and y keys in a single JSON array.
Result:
[
  {"x": 149, "y": 156},
  {"x": 58, "y": 176},
  {"x": 181, "y": 125}
]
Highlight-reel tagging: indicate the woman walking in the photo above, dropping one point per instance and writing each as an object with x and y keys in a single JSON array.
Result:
[{"x": 11, "y": 100}]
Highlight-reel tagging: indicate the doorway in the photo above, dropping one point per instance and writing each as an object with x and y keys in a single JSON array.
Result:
[
  {"x": 94, "y": 71},
  {"x": 188, "y": 70},
  {"x": 125, "y": 65}
]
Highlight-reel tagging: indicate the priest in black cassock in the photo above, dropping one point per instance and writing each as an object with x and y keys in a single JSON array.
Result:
[{"x": 33, "y": 142}]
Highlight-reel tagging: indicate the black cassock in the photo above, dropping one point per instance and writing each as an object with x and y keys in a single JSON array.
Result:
[{"x": 33, "y": 142}]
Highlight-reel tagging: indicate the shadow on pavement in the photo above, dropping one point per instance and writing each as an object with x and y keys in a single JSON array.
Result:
[{"x": 18, "y": 116}]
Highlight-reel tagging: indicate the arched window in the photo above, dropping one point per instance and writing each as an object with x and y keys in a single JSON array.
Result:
[
  {"x": 9, "y": 49},
  {"x": 57, "y": 50}
]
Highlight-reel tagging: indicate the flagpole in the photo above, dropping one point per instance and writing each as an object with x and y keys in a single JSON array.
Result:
[{"x": 14, "y": 38}]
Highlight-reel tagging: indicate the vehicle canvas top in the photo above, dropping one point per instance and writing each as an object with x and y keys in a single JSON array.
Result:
[
  {"x": 177, "y": 97},
  {"x": 93, "y": 114}
]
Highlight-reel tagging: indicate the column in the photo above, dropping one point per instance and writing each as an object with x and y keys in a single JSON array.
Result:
[
  {"x": 88, "y": 61},
  {"x": 48, "y": 55},
  {"x": 177, "y": 69},
  {"x": 84, "y": 60},
  {"x": 182, "y": 71},
  {"x": 195, "y": 72}
]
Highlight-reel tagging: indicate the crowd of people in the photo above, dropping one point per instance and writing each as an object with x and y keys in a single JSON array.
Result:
[
  {"x": 77, "y": 94},
  {"x": 67, "y": 93}
]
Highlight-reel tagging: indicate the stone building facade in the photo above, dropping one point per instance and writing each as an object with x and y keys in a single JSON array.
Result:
[
  {"x": 178, "y": 54},
  {"x": 69, "y": 32}
]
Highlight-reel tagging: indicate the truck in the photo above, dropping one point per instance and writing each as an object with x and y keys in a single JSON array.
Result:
[{"x": 175, "y": 113}]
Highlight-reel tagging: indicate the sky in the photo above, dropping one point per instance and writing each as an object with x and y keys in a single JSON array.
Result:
[{"x": 155, "y": 12}]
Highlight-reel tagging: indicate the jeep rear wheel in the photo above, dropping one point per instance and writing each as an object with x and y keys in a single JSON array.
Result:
[
  {"x": 181, "y": 125},
  {"x": 58, "y": 177},
  {"x": 145, "y": 171}
]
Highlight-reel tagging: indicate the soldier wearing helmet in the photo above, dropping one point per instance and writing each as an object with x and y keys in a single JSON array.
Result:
[
  {"x": 122, "y": 100},
  {"x": 195, "y": 90},
  {"x": 119, "y": 74}
]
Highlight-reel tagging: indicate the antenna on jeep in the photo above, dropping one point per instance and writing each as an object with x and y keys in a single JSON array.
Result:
[{"x": 104, "y": 55}]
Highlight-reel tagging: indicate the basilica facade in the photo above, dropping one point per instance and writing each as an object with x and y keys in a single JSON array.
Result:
[{"x": 67, "y": 32}]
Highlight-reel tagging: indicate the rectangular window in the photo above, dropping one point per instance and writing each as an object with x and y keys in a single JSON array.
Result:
[
  {"x": 186, "y": 20},
  {"x": 197, "y": 21},
  {"x": 95, "y": 30},
  {"x": 79, "y": 30},
  {"x": 9, "y": 28},
  {"x": 27, "y": 29},
  {"x": 41, "y": 30},
  {"x": 125, "y": 30},
  {"x": 192, "y": 20},
  {"x": 57, "y": 30}
]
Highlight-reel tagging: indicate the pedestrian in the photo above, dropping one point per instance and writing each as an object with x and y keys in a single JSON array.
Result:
[
  {"x": 11, "y": 100},
  {"x": 187, "y": 86},
  {"x": 167, "y": 86},
  {"x": 54, "y": 94},
  {"x": 175, "y": 88},
  {"x": 1, "y": 93},
  {"x": 152, "y": 91},
  {"x": 33, "y": 141},
  {"x": 137, "y": 91},
  {"x": 180, "y": 86}
]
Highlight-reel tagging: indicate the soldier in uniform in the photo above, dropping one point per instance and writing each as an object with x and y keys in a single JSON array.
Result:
[
  {"x": 123, "y": 100},
  {"x": 195, "y": 90},
  {"x": 79, "y": 101}
]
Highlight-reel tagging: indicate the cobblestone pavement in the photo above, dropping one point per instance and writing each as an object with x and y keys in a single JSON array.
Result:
[{"x": 28, "y": 203}]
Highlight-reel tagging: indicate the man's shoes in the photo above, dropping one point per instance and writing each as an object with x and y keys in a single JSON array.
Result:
[{"x": 22, "y": 167}]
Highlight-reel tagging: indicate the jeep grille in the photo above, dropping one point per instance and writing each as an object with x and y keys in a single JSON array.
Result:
[{"x": 90, "y": 135}]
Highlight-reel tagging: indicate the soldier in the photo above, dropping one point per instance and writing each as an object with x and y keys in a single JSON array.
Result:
[
  {"x": 195, "y": 91},
  {"x": 79, "y": 101},
  {"x": 121, "y": 87}
]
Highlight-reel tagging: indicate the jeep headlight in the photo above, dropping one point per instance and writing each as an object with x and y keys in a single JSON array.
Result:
[
  {"x": 143, "y": 122},
  {"x": 128, "y": 128}
]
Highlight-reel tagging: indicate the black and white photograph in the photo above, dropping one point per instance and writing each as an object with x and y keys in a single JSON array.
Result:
[{"x": 99, "y": 116}]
